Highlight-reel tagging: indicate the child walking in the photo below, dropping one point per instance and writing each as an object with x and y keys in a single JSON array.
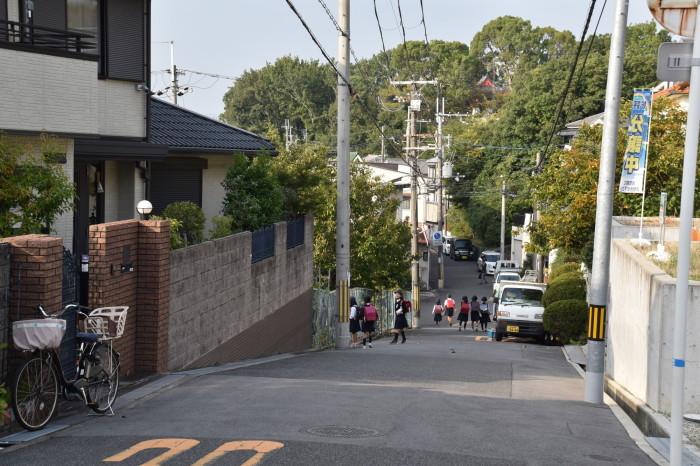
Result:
[
  {"x": 463, "y": 316},
  {"x": 354, "y": 322},
  {"x": 370, "y": 317},
  {"x": 475, "y": 313},
  {"x": 449, "y": 308},
  {"x": 485, "y": 315},
  {"x": 437, "y": 313}
]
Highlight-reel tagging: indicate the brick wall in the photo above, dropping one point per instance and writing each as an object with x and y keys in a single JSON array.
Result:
[
  {"x": 219, "y": 300},
  {"x": 129, "y": 266}
]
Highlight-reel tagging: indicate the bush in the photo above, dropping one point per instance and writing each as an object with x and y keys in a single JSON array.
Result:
[
  {"x": 566, "y": 319},
  {"x": 191, "y": 218},
  {"x": 564, "y": 268},
  {"x": 222, "y": 226},
  {"x": 562, "y": 289}
]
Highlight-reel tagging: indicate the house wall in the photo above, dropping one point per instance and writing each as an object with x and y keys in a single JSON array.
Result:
[
  {"x": 217, "y": 295},
  {"x": 212, "y": 191},
  {"x": 641, "y": 310},
  {"x": 52, "y": 94},
  {"x": 120, "y": 190}
]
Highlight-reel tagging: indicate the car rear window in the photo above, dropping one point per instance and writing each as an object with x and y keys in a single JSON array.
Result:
[
  {"x": 463, "y": 243},
  {"x": 522, "y": 296},
  {"x": 492, "y": 257},
  {"x": 508, "y": 277}
]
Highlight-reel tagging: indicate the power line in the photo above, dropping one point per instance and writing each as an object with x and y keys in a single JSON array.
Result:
[
  {"x": 337, "y": 27},
  {"x": 562, "y": 101},
  {"x": 403, "y": 34},
  {"x": 320, "y": 47},
  {"x": 590, "y": 45},
  {"x": 422, "y": 20},
  {"x": 381, "y": 35}
]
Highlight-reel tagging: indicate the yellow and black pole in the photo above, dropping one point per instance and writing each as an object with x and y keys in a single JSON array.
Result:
[{"x": 596, "y": 323}]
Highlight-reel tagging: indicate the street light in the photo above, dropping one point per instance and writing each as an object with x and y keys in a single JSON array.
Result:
[{"x": 144, "y": 208}]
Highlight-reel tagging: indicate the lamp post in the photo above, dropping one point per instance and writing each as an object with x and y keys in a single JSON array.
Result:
[{"x": 144, "y": 208}]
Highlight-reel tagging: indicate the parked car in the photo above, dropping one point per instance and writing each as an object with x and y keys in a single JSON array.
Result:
[
  {"x": 520, "y": 310},
  {"x": 504, "y": 276},
  {"x": 447, "y": 245},
  {"x": 490, "y": 258},
  {"x": 529, "y": 276},
  {"x": 462, "y": 249}
]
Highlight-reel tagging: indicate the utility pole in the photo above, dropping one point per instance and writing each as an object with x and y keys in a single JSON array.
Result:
[
  {"x": 441, "y": 212},
  {"x": 539, "y": 258},
  {"x": 503, "y": 219},
  {"x": 383, "y": 148},
  {"x": 174, "y": 85},
  {"x": 687, "y": 200},
  {"x": 411, "y": 155},
  {"x": 595, "y": 366},
  {"x": 342, "y": 244}
]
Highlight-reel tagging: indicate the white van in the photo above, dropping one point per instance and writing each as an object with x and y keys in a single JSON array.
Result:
[
  {"x": 504, "y": 276},
  {"x": 506, "y": 265},
  {"x": 520, "y": 310}
]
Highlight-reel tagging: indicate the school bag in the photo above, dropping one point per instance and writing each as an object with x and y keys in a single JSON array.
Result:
[
  {"x": 370, "y": 313},
  {"x": 406, "y": 306},
  {"x": 437, "y": 309},
  {"x": 450, "y": 303}
]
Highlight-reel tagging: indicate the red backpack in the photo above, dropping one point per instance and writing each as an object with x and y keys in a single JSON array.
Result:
[
  {"x": 406, "y": 306},
  {"x": 370, "y": 313}
]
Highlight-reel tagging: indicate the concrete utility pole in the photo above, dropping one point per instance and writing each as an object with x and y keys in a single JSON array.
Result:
[
  {"x": 690, "y": 156},
  {"x": 174, "y": 85},
  {"x": 539, "y": 258},
  {"x": 441, "y": 211},
  {"x": 383, "y": 148},
  {"x": 595, "y": 367},
  {"x": 413, "y": 160},
  {"x": 342, "y": 244},
  {"x": 503, "y": 219}
]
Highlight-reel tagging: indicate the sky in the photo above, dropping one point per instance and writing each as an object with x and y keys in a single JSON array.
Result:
[{"x": 228, "y": 37}]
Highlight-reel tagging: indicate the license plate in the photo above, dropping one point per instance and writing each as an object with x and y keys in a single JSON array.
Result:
[{"x": 512, "y": 329}]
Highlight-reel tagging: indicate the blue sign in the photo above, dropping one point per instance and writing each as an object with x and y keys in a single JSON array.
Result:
[{"x": 634, "y": 165}]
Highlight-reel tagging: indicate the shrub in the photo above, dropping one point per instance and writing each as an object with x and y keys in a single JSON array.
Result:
[
  {"x": 568, "y": 277},
  {"x": 564, "y": 268},
  {"x": 566, "y": 319},
  {"x": 191, "y": 218},
  {"x": 222, "y": 226},
  {"x": 564, "y": 289}
]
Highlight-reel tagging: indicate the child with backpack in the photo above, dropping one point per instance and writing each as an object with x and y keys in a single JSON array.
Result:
[
  {"x": 485, "y": 315},
  {"x": 400, "y": 322},
  {"x": 354, "y": 322},
  {"x": 370, "y": 317},
  {"x": 475, "y": 310},
  {"x": 437, "y": 313},
  {"x": 463, "y": 316},
  {"x": 449, "y": 308}
]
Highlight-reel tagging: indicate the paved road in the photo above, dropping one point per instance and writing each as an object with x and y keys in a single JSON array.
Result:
[{"x": 443, "y": 398}]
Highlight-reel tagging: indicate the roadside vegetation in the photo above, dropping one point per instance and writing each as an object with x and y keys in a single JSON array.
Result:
[{"x": 565, "y": 308}]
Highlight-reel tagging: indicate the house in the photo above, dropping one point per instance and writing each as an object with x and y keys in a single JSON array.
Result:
[
  {"x": 78, "y": 71},
  {"x": 199, "y": 153}
]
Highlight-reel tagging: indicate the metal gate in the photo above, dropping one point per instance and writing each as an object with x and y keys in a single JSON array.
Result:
[{"x": 71, "y": 295}]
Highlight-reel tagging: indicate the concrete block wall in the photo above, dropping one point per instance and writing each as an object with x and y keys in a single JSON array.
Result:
[
  {"x": 641, "y": 309},
  {"x": 217, "y": 296}
]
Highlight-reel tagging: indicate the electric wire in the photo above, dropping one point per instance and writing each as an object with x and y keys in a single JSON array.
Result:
[
  {"x": 422, "y": 20},
  {"x": 337, "y": 27},
  {"x": 567, "y": 87},
  {"x": 320, "y": 47},
  {"x": 381, "y": 36},
  {"x": 590, "y": 45}
]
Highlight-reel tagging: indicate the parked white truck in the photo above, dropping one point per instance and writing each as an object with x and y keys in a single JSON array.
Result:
[{"x": 520, "y": 310}]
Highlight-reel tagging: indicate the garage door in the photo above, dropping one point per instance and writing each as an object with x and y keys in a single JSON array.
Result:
[{"x": 176, "y": 180}]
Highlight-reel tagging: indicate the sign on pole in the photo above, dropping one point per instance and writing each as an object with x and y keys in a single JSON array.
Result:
[
  {"x": 676, "y": 16},
  {"x": 634, "y": 164},
  {"x": 674, "y": 61},
  {"x": 437, "y": 238}
]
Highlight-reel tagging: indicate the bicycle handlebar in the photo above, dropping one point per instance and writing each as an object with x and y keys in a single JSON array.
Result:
[{"x": 78, "y": 307}]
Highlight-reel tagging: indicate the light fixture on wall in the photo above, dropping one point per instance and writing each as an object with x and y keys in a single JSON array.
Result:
[{"x": 144, "y": 208}]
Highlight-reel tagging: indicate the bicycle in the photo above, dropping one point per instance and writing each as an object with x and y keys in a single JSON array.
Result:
[{"x": 39, "y": 380}]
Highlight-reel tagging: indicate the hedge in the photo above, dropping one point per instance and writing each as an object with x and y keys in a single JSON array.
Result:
[
  {"x": 566, "y": 319},
  {"x": 562, "y": 269},
  {"x": 192, "y": 219},
  {"x": 561, "y": 289}
]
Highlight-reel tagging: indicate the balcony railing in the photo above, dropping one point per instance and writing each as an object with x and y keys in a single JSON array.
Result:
[{"x": 27, "y": 35}]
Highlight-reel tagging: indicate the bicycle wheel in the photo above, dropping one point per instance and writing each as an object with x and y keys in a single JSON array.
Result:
[
  {"x": 102, "y": 379},
  {"x": 35, "y": 393}
]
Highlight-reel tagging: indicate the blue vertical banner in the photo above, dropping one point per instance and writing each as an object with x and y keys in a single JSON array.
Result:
[{"x": 634, "y": 165}]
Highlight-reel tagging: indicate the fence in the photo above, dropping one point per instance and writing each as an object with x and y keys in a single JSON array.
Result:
[
  {"x": 263, "y": 245},
  {"x": 295, "y": 232},
  {"x": 325, "y": 313}
]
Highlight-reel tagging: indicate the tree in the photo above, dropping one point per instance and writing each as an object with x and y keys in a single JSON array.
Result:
[
  {"x": 379, "y": 243},
  {"x": 254, "y": 196},
  {"x": 34, "y": 190},
  {"x": 304, "y": 173}
]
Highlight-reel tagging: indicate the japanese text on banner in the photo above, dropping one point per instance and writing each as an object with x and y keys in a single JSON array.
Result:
[{"x": 634, "y": 164}]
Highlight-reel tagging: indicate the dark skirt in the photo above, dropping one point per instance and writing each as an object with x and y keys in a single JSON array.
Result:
[
  {"x": 463, "y": 317},
  {"x": 437, "y": 317},
  {"x": 476, "y": 316},
  {"x": 368, "y": 326},
  {"x": 485, "y": 317},
  {"x": 450, "y": 312},
  {"x": 400, "y": 322},
  {"x": 354, "y": 325}
]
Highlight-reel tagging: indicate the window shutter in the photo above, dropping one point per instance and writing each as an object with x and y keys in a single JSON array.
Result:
[
  {"x": 125, "y": 34},
  {"x": 50, "y": 14},
  {"x": 3, "y": 10},
  {"x": 176, "y": 180}
]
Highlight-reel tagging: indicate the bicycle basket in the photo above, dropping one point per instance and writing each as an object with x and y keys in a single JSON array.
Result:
[
  {"x": 107, "y": 322},
  {"x": 38, "y": 334}
]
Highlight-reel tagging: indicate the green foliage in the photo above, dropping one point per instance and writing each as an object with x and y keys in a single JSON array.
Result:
[
  {"x": 177, "y": 240},
  {"x": 191, "y": 220},
  {"x": 304, "y": 174},
  {"x": 564, "y": 288},
  {"x": 254, "y": 197},
  {"x": 564, "y": 268},
  {"x": 222, "y": 226},
  {"x": 33, "y": 192},
  {"x": 566, "y": 319},
  {"x": 457, "y": 223}
]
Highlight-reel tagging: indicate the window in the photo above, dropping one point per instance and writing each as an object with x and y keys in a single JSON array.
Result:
[{"x": 83, "y": 16}]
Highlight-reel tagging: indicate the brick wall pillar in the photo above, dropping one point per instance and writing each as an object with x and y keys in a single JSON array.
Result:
[
  {"x": 153, "y": 296},
  {"x": 36, "y": 273}
]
